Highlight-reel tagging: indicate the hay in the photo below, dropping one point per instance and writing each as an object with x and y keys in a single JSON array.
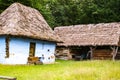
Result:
[
  {"x": 19, "y": 20},
  {"x": 89, "y": 35}
]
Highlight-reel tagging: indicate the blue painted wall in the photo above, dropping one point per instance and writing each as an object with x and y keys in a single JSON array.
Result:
[
  {"x": 19, "y": 50},
  {"x": 2, "y": 49}
]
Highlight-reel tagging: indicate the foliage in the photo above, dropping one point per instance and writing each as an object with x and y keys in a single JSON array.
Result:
[
  {"x": 5, "y": 3},
  {"x": 72, "y": 12},
  {"x": 43, "y": 7},
  {"x": 65, "y": 70}
]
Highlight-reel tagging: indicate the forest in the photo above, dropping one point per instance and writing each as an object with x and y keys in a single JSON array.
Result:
[{"x": 72, "y": 12}]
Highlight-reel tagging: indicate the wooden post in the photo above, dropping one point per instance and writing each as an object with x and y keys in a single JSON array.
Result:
[
  {"x": 91, "y": 52},
  {"x": 114, "y": 52},
  {"x": 7, "y": 46},
  {"x": 69, "y": 54}
]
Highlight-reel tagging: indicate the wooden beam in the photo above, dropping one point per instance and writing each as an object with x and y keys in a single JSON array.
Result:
[
  {"x": 91, "y": 52},
  {"x": 114, "y": 55},
  {"x": 69, "y": 54},
  {"x": 7, "y": 78},
  {"x": 7, "y": 46},
  {"x": 114, "y": 52}
]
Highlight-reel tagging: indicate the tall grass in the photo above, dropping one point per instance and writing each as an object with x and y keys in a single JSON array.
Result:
[{"x": 65, "y": 70}]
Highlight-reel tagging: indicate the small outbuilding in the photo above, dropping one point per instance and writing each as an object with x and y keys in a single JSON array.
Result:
[
  {"x": 24, "y": 33},
  {"x": 90, "y": 41}
]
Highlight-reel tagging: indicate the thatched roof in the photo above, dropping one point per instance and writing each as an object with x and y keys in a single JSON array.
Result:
[
  {"x": 20, "y": 20},
  {"x": 89, "y": 35}
]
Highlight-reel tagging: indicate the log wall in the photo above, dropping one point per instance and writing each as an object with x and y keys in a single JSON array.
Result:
[
  {"x": 118, "y": 56},
  {"x": 102, "y": 54},
  {"x": 63, "y": 53},
  {"x": 98, "y": 54}
]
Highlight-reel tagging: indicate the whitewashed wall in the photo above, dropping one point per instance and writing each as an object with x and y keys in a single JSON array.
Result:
[
  {"x": 2, "y": 49},
  {"x": 19, "y": 51},
  {"x": 43, "y": 50}
]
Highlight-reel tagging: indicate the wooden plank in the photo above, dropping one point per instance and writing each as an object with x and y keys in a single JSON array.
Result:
[
  {"x": 7, "y": 78},
  {"x": 101, "y": 58},
  {"x": 102, "y": 54}
]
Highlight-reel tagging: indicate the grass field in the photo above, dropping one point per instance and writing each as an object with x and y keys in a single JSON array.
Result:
[{"x": 65, "y": 70}]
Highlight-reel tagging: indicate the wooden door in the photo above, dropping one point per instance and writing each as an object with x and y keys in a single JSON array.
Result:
[{"x": 32, "y": 49}]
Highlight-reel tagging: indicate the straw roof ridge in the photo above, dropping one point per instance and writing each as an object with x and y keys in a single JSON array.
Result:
[
  {"x": 19, "y": 20},
  {"x": 89, "y": 34}
]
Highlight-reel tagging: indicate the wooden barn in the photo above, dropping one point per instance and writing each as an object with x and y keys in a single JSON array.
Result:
[
  {"x": 91, "y": 41},
  {"x": 25, "y": 35}
]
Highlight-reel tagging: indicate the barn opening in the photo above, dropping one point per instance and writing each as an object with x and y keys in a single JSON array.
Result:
[{"x": 80, "y": 53}]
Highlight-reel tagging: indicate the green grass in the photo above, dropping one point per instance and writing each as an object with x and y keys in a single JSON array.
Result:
[{"x": 65, "y": 70}]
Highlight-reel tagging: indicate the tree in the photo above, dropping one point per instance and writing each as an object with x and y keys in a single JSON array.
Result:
[
  {"x": 43, "y": 7},
  {"x": 5, "y": 3},
  {"x": 72, "y": 12}
]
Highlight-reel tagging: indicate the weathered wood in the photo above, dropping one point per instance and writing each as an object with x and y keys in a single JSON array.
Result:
[
  {"x": 7, "y": 46},
  {"x": 91, "y": 52},
  {"x": 68, "y": 54},
  {"x": 7, "y": 78},
  {"x": 117, "y": 56},
  {"x": 102, "y": 58},
  {"x": 102, "y": 54},
  {"x": 34, "y": 60},
  {"x": 114, "y": 52},
  {"x": 114, "y": 55},
  {"x": 63, "y": 53}
]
